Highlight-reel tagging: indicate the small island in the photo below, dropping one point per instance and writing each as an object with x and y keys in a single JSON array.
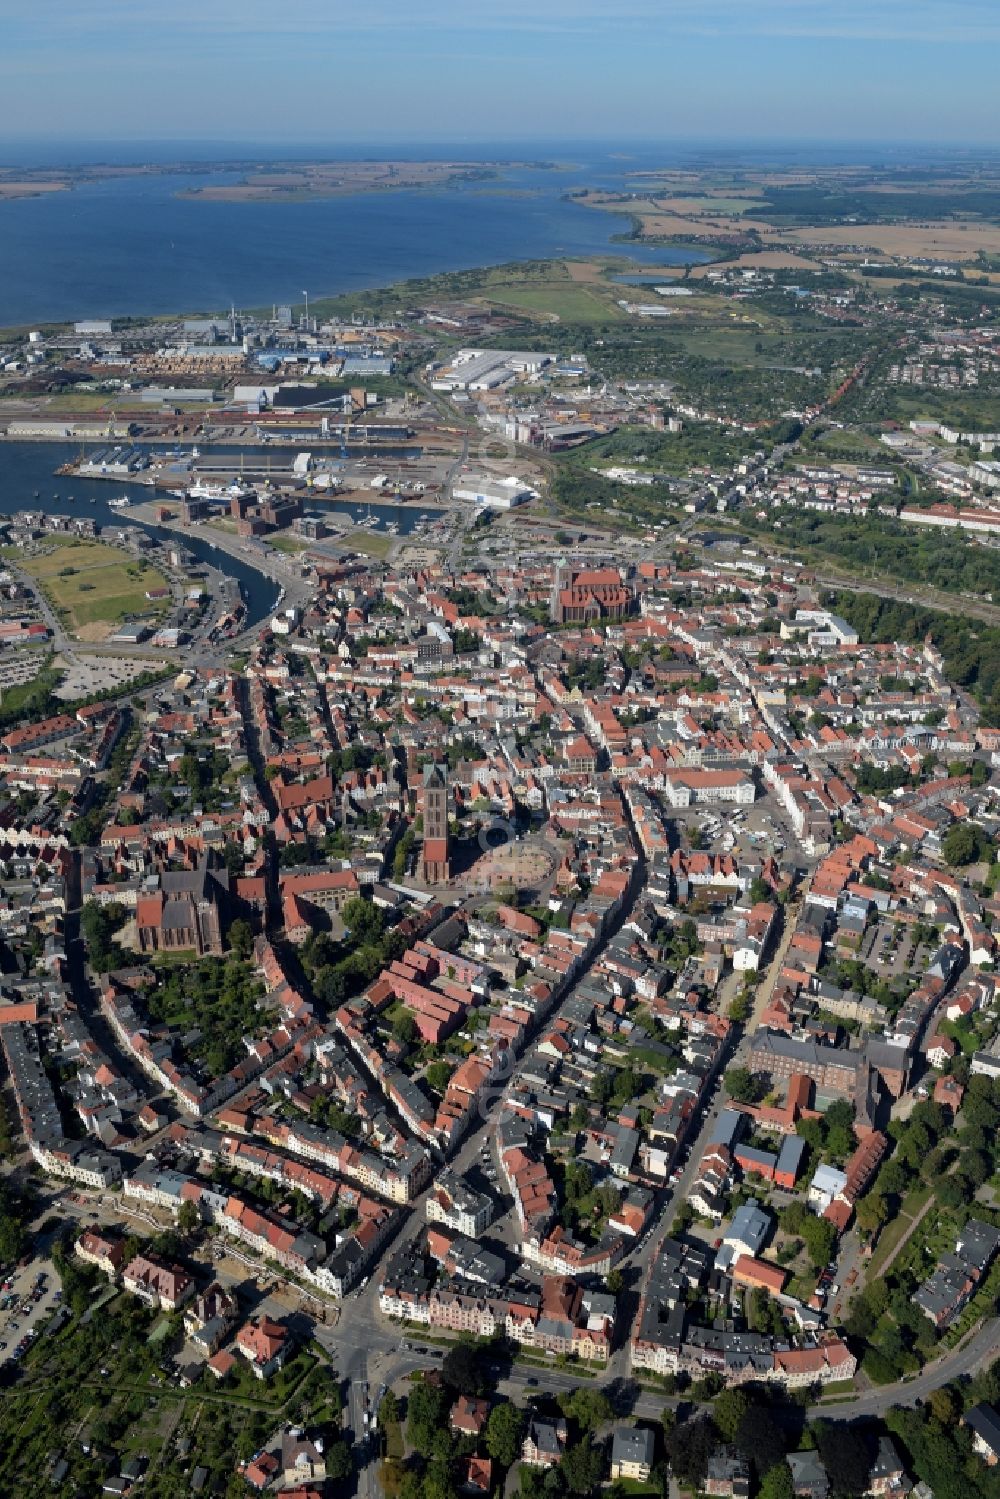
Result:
[
  {"x": 262, "y": 181},
  {"x": 295, "y": 182}
]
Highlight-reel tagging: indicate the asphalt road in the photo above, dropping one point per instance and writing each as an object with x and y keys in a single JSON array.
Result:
[
  {"x": 524, "y": 1380},
  {"x": 980, "y": 1350}
]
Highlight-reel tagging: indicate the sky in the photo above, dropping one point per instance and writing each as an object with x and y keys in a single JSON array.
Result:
[{"x": 907, "y": 71}]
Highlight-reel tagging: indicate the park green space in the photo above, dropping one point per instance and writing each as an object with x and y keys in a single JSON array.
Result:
[{"x": 90, "y": 583}]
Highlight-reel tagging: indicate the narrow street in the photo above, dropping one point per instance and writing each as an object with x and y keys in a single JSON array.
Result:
[{"x": 85, "y": 996}]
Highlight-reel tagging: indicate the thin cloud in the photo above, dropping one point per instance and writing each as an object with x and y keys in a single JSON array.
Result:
[{"x": 239, "y": 22}]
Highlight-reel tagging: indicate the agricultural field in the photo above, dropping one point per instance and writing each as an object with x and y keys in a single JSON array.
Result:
[
  {"x": 948, "y": 239},
  {"x": 760, "y": 260},
  {"x": 776, "y": 220},
  {"x": 90, "y": 584},
  {"x": 711, "y": 203},
  {"x": 657, "y": 220}
]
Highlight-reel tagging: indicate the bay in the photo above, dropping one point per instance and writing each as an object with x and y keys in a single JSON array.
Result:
[{"x": 129, "y": 246}]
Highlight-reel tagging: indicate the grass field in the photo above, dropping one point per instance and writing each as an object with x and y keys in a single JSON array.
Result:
[
  {"x": 709, "y": 204},
  {"x": 78, "y": 400},
  {"x": 836, "y": 442},
  {"x": 370, "y": 542},
  {"x": 569, "y": 301},
  {"x": 893, "y": 1232},
  {"x": 289, "y": 544},
  {"x": 89, "y": 583}
]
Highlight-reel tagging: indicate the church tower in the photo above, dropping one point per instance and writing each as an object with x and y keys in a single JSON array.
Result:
[
  {"x": 562, "y": 577},
  {"x": 435, "y": 854}
]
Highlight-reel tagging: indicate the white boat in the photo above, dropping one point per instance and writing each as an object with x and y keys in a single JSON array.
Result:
[{"x": 121, "y": 502}]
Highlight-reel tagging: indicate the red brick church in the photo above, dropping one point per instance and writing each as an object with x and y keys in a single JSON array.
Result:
[{"x": 586, "y": 595}]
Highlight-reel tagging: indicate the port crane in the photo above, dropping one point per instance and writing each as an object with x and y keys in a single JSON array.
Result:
[{"x": 345, "y": 429}]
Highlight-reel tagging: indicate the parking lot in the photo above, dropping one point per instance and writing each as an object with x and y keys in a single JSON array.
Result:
[
  {"x": 758, "y": 830},
  {"x": 86, "y": 674},
  {"x": 26, "y": 1303}
]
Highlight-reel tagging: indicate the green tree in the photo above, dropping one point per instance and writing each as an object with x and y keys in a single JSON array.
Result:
[
  {"x": 582, "y": 1467},
  {"x": 426, "y": 1408},
  {"x": 462, "y": 1371},
  {"x": 12, "y": 1238},
  {"x": 730, "y": 1408},
  {"x": 951, "y": 1192},
  {"x": 777, "y": 1483},
  {"x": 241, "y": 938},
  {"x": 587, "y": 1407},
  {"x": 188, "y": 1218},
  {"x": 872, "y": 1212},
  {"x": 438, "y": 1075},
  {"x": 364, "y": 920},
  {"x": 689, "y": 1446},
  {"x": 820, "y": 1237},
  {"x": 742, "y": 1085},
  {"x": 944, "y": 1405},
  {"x": 404, "y": 1028},
  {"x": 388, "y": 1411},
  {"x": 602, "y": 1086},
  {"x": 961, "y": 844},
  {"x": 99, "y": 923},
  {"x": 438, "y": 1482},
  {"x": 504, "y": 1430},
  {"x": 339, "y": 1465},
  {"x": 844, "y": 1454}
]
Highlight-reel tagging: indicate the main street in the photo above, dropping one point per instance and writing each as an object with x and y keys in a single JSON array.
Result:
[{"x": 398, "y": 1354}]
